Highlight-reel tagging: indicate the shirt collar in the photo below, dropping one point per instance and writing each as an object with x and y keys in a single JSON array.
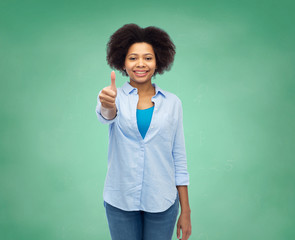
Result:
[{"x": 127, "y": 88}]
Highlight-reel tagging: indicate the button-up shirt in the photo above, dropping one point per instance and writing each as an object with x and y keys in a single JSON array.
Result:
[{"x": 143, "y": 172}]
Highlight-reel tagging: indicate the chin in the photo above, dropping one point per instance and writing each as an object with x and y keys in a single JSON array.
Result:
[{"x": 141, "y": 80}]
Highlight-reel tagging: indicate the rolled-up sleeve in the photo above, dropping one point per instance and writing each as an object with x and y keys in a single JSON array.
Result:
[
  {"x": 179, "y": 152},
  {"x": 98, "y": 112}
]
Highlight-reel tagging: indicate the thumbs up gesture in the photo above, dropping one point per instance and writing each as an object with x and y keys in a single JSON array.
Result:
[
  {"x": 107, "y": 98},
  {"x": 108, "y": 94}
]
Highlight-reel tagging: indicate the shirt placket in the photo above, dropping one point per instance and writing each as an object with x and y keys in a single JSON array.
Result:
[{"x": 140, "y": 147}]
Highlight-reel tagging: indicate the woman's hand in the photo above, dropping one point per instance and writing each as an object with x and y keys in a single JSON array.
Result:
[
  {"x": 107, "y": 98},
  {"x": 108, "y": 94},
  {"x": 184, "y": 224}
]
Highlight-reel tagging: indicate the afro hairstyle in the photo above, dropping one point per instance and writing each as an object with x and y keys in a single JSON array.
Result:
[{"x": 120, "y": 42}]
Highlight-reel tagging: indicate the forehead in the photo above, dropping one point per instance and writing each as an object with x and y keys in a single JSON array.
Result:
[{"x": 140, "y": 48}]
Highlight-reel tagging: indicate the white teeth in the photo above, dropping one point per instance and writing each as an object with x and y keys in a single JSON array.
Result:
[{"x": 140, "y": 72}]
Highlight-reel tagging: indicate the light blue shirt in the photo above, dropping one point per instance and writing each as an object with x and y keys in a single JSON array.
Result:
[{"x": 143, "y": 172}]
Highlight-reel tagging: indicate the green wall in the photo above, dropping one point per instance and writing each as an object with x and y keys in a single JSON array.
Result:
[{"x": 233, "y": 71}]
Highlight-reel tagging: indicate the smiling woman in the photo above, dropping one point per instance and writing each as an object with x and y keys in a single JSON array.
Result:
[{"x": 147, "y": 169}]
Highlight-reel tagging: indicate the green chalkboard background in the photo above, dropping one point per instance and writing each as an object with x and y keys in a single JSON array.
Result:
[{"x": 233, "y": 71}]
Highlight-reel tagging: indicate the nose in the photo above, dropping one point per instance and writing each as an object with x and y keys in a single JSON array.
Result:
[{"x": 140, "y": 62}]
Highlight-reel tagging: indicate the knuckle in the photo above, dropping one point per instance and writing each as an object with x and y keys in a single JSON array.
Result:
[
  {"x": 112, "y": 93},
  {"x": 103, "y": 90},
  {"x": 102, "y": 95}
]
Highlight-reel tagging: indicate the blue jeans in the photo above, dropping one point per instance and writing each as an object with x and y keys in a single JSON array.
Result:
[{"x": 141, "y": 225}]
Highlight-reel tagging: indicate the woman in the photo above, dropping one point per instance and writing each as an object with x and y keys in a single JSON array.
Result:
[{"x": 147, "y": 170}]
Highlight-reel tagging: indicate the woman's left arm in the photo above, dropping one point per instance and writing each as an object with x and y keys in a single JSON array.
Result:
[{"x": 184, "y": 220}]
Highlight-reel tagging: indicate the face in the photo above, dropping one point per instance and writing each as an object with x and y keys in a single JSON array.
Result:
[{"x": 140, "y": 62}]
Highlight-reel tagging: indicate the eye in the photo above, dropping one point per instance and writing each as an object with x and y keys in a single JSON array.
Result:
[
  {"x": 132, "y": 58},
  {"x": 149, "y": 58}
]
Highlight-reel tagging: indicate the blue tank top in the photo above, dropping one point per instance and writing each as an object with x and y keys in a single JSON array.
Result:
[{"x": 144, "y": 117}]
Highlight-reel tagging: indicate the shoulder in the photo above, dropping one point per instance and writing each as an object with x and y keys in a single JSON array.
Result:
[{"x": 171, "y": 97}]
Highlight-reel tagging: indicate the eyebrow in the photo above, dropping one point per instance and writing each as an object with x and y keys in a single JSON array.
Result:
[{"x": 137, "y": 54}]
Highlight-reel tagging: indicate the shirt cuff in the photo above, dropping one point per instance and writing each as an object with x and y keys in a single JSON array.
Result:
[
  {"x": 101, "y": 118},
  {"x": 182, "y": 180}
]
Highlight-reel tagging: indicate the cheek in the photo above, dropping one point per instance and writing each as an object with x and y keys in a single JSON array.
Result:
[
  {"x": 129, "y": 66},
  {"x": 129, "y": 69},
  {"x": 152, "y": 66}
]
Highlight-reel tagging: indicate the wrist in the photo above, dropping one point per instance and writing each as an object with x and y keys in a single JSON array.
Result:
[
  {"x": 185, "y": 211},
  {"x": 108, "y": 113}
]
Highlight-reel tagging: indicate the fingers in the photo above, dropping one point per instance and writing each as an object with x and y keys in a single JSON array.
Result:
[
  {"x": 113, "y": 81},
  {"x": 107, "y": 97},
  {"x": 186, "y": 234},
  {"x": 178, "y": 231},
  {"x": 108, "y": 105},
  {"x": 108, "y": 92}
]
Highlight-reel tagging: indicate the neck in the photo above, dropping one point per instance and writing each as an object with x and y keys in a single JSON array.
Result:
[{"x": 143, "y": 88}]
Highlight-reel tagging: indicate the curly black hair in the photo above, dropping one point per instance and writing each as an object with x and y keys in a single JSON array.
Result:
[{"x": 124, "y": 37}]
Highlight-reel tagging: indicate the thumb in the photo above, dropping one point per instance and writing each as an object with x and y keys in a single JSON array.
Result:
[{"x": 113, "y": 81}]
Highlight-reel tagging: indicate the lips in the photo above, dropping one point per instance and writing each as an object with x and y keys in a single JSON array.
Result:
[{"x": 140, "y": 73}]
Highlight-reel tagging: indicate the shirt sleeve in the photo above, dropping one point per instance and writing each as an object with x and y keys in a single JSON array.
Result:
[
  {"x": 179, "y": 152},
  {"x": 98, "y": 112}
]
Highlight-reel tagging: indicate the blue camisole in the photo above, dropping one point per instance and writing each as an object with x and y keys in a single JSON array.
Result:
[{"x": 144, "y": 117}]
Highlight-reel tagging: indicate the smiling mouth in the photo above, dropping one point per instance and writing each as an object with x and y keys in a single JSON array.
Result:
[{"x": 140, "y": 73}]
